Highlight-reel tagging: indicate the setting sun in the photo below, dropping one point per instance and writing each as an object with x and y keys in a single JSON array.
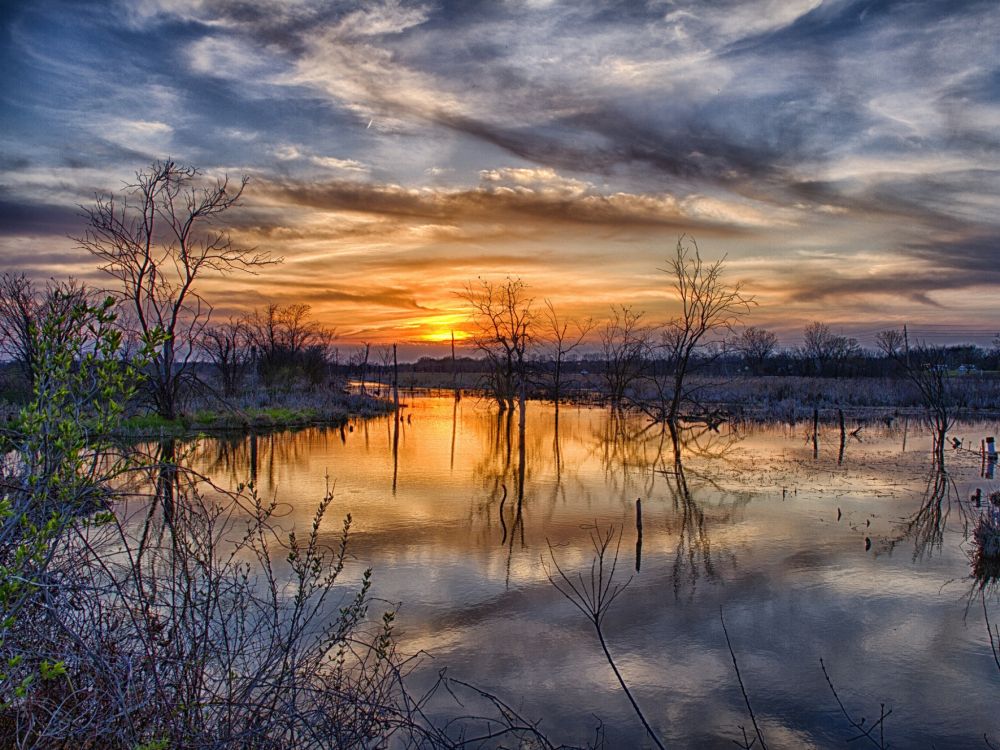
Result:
[
  {"x": 439, "y": 336},
  {"x": 440, "y": 329}
]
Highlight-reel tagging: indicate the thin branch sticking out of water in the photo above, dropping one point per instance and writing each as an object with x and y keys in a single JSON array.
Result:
[
  {"x": 593, "y": 595},
  {"x": 864, "y": 732},
  {"x": 990, "y": 631},
  {"x": 746, "y": 698}
]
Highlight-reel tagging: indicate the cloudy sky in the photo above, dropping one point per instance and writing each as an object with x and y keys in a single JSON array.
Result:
[{"x": 843, "y": 155}]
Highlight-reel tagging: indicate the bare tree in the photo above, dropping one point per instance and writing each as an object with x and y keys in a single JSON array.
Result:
[
  {"x": 360, "y": 360},
  {"x": 890, "y": 342},
  {"x": 384, "y": 357},
  {"x": 157, "y": 239},
  {"x": 755, "y": 345},
  {"x": 24, "y": 307},
  {"x": 288, "y": 343},
  {"x": 708, "y": 306},
  {"x": 562, "y": 337},
  {"x": 299, "y": 330},
  {"x": 503, "y": 320},
  {"x": 18, "y": 314},
  {"x": 816, "y": 339},
  {"x": 827, "y": 350},
  {"x": 624, "y": 344},
  {"x": 927, "y": 369},
  {"x": 228, "y": 347},
  {"x": 893, "y": 344}
]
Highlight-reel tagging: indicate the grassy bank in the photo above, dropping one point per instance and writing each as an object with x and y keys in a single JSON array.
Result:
[
  {"x": 208, "y": 421},
  {"x": 259, "y": 412}
]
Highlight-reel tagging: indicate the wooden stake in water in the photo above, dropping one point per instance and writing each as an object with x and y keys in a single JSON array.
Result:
[
  {"x": 395, "y": 381},
  {"x": 843, "y": 436},
  {"x": 454, "y": 371},
  {"x": 638, "y": 535},
  {"x": 815, "y": 432}
]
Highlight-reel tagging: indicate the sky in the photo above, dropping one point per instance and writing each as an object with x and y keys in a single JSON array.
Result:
[{"x": 842, "y": 156}]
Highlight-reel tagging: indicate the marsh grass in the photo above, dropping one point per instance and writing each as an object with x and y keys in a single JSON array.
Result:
[{"x": 986, "y": 547}]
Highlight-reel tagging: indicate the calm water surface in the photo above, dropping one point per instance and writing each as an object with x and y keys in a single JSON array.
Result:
[{"x": 859, "y": 556}]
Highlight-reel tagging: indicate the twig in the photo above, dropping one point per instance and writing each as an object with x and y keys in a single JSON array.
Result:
[
  {"x": 989, "y": 630},
  {"x": 594, "y": 597},
  {"x": 860, "y": 725},
  {"x": 746, "y": 698}
]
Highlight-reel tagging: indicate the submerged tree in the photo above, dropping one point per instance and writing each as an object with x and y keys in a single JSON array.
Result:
[
  {"x": 157, "y": 239},
  {"x": 708, "y": 306},
  {"x": 562, "y": 337},
  {"x": 503, "y": 320},
  {"x": 624, "y": 344},
  {"x": 926, "y": 368}
]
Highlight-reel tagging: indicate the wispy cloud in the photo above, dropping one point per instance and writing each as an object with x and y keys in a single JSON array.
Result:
[
  {"x": 846, "y": 155},
  {"x": 538, "y": 195}
]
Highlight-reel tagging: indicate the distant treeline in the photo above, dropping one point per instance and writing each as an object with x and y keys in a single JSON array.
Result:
[{"x": 966, "y": 359}]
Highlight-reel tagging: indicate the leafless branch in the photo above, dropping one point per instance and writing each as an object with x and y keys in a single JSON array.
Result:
[
  {"x": 746, "y": 698},
  {"x": 869, "y": 732},
  {"x": 593, "y": 595}
]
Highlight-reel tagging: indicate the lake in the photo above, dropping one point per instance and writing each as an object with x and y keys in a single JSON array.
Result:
[{"x": 858, "y": 554}]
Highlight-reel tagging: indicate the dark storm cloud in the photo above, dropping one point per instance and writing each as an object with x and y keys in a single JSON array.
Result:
[
  {"x": 19, "y": 217},
  {"x": 45, "y": 262},
  {"x": 607, "y": 140},
  {"x": 906, "y": 284},
  {"x": 968, "y": 259},
  {"x": 923, "y": 200}
]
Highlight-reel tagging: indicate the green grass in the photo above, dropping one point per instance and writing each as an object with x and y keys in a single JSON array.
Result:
[
  {"x": 258, "y": 418},
  {"x": 150, "y": 422}
]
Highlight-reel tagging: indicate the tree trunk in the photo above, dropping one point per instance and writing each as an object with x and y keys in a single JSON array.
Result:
[{"x": 166, "y": 402}]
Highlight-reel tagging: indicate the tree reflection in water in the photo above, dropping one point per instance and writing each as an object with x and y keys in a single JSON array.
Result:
[
  {"x": 494, "y": 471},
  {"x": 233, "y": 458},
  {"x": 926, "y": 526},
  {"x": 395, "y": 449},
  {"x": 639, "y": 459},
  {"x": 695, "y": 553},
  {"x": 635, "y": 453},
  {"x": 166, "y": 478}
]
